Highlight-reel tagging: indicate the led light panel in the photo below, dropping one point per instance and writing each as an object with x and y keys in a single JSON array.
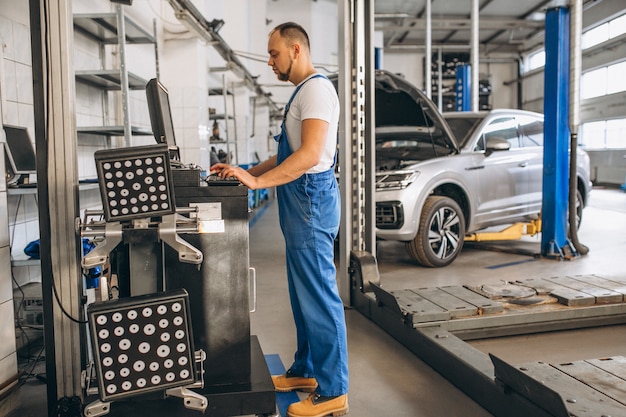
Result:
[
  {"x": 142, "y": 344},
  {"x": 135, "y": 182}
]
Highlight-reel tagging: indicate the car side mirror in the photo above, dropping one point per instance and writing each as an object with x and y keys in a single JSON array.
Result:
[{"x": 495, "y": 144}]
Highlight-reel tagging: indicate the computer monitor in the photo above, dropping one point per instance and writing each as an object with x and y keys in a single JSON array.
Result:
[
  {"x": 19, "y": 151},
  {"x": 160, "y": 115}
]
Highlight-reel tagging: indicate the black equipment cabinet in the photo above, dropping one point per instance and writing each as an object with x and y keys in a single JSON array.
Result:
[{"x": 236, "y": 377}]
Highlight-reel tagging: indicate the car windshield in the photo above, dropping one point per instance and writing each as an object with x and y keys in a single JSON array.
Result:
[{"x": 462, "y": 127}]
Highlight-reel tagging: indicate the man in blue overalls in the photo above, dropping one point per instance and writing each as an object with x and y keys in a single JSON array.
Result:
[{"x": 308, "y": 202}]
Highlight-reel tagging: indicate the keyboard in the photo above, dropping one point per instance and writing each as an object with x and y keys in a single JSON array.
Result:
[{"x": 215, "y": 179}]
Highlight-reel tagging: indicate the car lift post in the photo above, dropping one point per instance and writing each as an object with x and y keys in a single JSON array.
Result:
[{"x": 554, "y": 241}]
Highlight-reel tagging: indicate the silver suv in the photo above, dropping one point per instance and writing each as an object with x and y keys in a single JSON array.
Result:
[{"x": 440, "y": 177}]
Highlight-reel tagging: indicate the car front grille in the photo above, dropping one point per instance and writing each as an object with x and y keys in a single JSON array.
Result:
[{"x": 389, "y": 215}]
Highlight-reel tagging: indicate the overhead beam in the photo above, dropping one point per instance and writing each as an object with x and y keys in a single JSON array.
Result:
[{"x": 457, "y": 23}]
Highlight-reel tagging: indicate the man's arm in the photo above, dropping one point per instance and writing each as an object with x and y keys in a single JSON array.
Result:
[{"x": 300, "y": 161}]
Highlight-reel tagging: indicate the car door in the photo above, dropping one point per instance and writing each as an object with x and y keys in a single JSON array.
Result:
[
  {"x": 503, "y": 178},
  {"x": 531, "y": 141}
]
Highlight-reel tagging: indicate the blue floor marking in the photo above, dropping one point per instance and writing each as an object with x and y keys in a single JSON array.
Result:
[
  {"x": 510, "y": 264},
  {"x": 283, "y": 399}
]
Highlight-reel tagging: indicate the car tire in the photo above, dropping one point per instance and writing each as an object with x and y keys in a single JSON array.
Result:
[{"x": 440, "y": 235}]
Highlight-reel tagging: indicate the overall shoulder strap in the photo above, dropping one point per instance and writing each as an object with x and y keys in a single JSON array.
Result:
[{"x": 296, "y": 92}]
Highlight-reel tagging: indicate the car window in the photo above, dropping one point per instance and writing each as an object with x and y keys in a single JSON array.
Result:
[
  {"x": 531, "y": 131},
  {"x": 503, "y": 128}
]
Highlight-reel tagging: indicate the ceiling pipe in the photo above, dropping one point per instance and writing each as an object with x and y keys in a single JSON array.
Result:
[
  {"x": 429, "y": 51},
  {"x": 187, "y": 13},
  {"x": 474, "y": 39}
]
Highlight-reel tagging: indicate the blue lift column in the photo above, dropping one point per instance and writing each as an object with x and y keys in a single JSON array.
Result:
[
  {"x": 554, "y": 241},
  {"x": 463, "y": 88}
]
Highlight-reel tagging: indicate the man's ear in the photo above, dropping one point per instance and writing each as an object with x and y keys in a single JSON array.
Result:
[{"x": 296, "y": 50}]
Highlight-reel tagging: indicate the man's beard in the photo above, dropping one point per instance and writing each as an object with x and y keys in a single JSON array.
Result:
[{"x": 284, "y": 76}]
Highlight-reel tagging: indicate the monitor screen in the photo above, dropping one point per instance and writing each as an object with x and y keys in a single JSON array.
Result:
[
  {"x": 19, "y": 150},
  {"x": 160, "y": 115}
]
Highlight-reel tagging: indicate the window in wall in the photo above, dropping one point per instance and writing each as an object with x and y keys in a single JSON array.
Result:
[
  {"x": 616, "y": 81},
  {"x": 616, "y": 133},
  {"x": 592, "y": 134},
  {"x": 617, "y": 26},
  {"x": 593, "y": 83},
  {"x": 604, "y": 134},
  {"x": 595, "y": 36},
  {"x": 536, "y": 60}
]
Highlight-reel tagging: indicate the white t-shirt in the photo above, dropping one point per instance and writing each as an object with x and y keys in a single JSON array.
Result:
[{"x": 317, "y": 99}]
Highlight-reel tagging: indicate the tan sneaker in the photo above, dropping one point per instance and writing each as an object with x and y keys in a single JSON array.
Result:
[
  {"x": 318, "y": 406},
  {"x": 288, "y": 382}
]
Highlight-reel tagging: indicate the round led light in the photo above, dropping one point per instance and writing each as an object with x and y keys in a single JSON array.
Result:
[
  {"x": 181, "y": 347},
  {"x": 176, "y": 307},
  {"x": 155, "y": 380},
  {"x": 165, "y": 337},
  {"x": 133, "y": 328},
  {"x": 106, "y": 166},
  {"x": 111, "y": 389},
  {"x": 163, "y": 323},
  {"x": 170, "y": 376},
  {"x": 101, "y": 320},
  {"x": 182, "y": 361},
  {"x": 141, "y": 382},
  {"x": 132, "y": 314},
  {"x": 105, "y": 347},
  {"x": 124, "y": 344},
  {"x": 178, "y": 320},
  {"x": 184, "y": 374},
  {"x": 161, "y": 309},
  {"x": 118, "y": 331},
  {"x": 117, "y": 164},
  {"x": 103, "y": 334},
  {"x": 179, "y": 334},
  {"x": 126, "y": 385},
  {"x": 124, "y": 372},
  {"x": 108, "y": 361},
  {"x": 109, "y": 375},
  {"x": 116, "y": 317},
  {"x": 154, "y": 366},
  {"x": 123, "y": 358},
  {"x": 168, "y": 363},
  {"x": 146, "y": 312}
]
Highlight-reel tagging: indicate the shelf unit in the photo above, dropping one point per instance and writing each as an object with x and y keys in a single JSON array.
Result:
[
  {"x": 449, "y": 63},
  {"x": 228, "y": 120},
  {"x": 114, "y": 29}
]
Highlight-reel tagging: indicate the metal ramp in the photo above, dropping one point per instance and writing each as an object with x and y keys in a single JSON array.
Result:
[{"x": 435, "y": 322}]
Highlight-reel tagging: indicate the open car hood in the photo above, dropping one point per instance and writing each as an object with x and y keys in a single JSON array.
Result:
[{"x": 402, "y": 106}]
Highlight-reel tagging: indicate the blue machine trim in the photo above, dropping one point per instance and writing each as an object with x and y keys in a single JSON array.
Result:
[
  {"x": 283, "y": 399},
  {"x": 556, "y": 135}
]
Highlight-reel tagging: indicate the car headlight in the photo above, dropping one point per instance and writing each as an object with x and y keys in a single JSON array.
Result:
[{"x": 396, "y": 180}]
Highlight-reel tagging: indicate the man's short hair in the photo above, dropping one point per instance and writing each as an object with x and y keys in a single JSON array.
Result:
[{"x": 292, "y": 33}]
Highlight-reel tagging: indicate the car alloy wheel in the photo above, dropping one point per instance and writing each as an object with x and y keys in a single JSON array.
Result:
[{"x": 441, "y": 233}]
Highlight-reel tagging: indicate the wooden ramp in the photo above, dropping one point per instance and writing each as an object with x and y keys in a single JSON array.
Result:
[
  {"x": 524, "y": 306},
  {"x": 595, "y": 387}
]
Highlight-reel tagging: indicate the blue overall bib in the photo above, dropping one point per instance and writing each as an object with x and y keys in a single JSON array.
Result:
[{"x": 309, "y": 218}]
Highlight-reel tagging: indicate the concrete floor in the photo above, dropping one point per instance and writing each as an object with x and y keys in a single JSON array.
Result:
[{"x": 386, "y": 378}]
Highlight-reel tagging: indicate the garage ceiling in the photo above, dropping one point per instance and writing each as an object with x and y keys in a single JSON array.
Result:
[{"x": 505, "y": 26}]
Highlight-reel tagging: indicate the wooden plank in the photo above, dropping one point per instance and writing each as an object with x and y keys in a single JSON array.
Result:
[
  {"x": 602, "y": 295},
  {"x": 609, "y": 284},
  {"x": 564, "y": 295},
  {"x": 456, "y": 306},
  {"x": 580, "y": 399},
  {"x": 615, "y": 365},
  {"x": 539, "y": 285},
  {"x": 608, "y": 384},
  {"x": 418, "y": 308},
  {"x": 484, "y": 304}
]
